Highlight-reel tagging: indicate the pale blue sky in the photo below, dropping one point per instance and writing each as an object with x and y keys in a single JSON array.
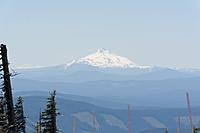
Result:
[{"x": 151, "y": 32}]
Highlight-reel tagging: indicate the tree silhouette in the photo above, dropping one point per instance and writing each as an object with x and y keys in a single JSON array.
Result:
[
  {"x": 3, "y": 116},
  {"x": 19, "y": 116},
  {"x": 48, "y": 117}
]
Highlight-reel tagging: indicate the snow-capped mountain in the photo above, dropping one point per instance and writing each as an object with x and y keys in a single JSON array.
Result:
[
  {"x": 102, "y": 65},
  {"x": 107, "y": 76},
  {"x": 105, "y": 59}
]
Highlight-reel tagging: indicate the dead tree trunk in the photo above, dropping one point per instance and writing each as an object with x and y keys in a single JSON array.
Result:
[{"x": 7, "y": 90}]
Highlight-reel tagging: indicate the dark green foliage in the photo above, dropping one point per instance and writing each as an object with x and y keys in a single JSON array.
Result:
[
  {"x": 19, "y": 116},
  {"x": 48, "y": 117},
  {"x": 196, "y": 130},
  {"x": 38, "y": 128},
  {"x": 3, "y": 117}
]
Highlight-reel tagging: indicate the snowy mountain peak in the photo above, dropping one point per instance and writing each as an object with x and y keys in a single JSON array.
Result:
[{"x": 105, "y": 59}]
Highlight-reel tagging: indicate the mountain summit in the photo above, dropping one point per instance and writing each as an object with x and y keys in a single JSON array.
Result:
[{"x": 105, "y": 59}]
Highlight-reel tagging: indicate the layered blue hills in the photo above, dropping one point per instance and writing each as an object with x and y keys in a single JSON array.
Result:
[{"x": 105, "y": 83}]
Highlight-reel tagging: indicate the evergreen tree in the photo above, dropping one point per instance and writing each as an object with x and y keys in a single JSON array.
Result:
[
  {"x": 37, "y": 128},
  {"x": 19, "y": 116},
  {"x": 3, "y": 117},
  {"x": 48, "y": 117}
]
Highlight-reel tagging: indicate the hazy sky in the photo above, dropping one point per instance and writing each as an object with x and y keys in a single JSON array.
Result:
[{"x": 150, "y": 32}]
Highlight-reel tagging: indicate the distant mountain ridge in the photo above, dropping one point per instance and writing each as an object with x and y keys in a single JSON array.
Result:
[
  {"x": 104, "y": 65},
  {"x": 102, "y": 76},
  {"x": 162, "y": 93}
]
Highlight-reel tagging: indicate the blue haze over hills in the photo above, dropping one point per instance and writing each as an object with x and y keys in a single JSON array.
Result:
[
  {"x": 106, "y": 83},
  {"x": 107, "y": 76}
]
